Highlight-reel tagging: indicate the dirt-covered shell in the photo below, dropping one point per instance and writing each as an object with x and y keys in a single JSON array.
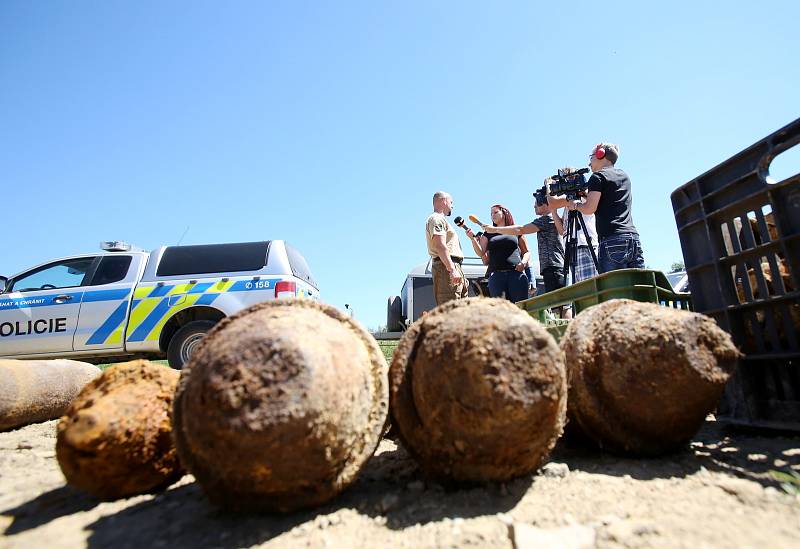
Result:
[
  {"x": 478, "y": 391},
  {"x": 281, "y": 405},
  {"x": 643, "y": 377},
  {"x": 115, "y": 439}
]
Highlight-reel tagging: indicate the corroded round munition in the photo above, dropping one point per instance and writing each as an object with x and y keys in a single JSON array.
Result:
[
  {"x": 643, "y": 377},
  {"x": 478, "y": 391},
  {"x": 280, "y": 406},
  {"x": 115, "y": 439}
]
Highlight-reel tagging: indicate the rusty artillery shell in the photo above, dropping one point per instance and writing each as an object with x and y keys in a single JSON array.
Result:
[
  {"x": 115, "y": 439},
  {"x": 39, "y": 390},
  {"x": 280, "y": 406},
  {"x": 478, "y": 391},
  {"x": 643, "y": 377}
]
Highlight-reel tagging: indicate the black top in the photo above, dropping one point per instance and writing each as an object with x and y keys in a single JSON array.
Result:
[
  {"x": 503, "y": 250},
  {"x": 613, "y": 215}
]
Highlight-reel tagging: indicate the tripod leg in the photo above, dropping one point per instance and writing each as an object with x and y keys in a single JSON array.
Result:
[
  {"x": 589, "y": 242},
  {"x": 566, "y": 245},
  {"x": 574, "y": 245},
  {"x": 571, "y": 246}
]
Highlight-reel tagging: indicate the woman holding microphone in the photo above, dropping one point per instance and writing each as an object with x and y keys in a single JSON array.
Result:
[{"x": 507, "y": 256}]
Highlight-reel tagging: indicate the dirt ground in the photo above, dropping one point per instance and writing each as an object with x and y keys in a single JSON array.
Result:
[{"x": 716, "y": 493}]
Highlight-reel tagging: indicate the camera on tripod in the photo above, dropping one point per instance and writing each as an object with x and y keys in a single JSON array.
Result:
[{"x": 573, "y": 184}]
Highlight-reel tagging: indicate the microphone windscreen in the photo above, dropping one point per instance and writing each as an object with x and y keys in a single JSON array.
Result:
[
  {"x": 474, "y": 219},
  {"x": 458, "y": 221}
]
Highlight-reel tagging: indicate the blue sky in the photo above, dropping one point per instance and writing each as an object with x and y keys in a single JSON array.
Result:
[{"x": 330, "y": 124}]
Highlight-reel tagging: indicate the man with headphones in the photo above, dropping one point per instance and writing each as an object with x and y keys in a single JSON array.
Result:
[{"x": 609, "y": 198}]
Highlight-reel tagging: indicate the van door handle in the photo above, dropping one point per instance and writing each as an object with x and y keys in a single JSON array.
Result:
[{"x": 62, "y": 298}]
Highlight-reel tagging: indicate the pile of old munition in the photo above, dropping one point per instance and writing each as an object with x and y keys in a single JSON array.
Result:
[{"x": 282, "y": 404}]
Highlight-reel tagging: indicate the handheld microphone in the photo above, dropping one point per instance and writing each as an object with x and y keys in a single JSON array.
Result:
[
  {"x": 474, "y": 219},
  {"x": 459, "y": 221}
]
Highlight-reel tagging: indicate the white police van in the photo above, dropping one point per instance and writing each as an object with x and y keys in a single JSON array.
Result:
[{"x": 125, "y": 302}]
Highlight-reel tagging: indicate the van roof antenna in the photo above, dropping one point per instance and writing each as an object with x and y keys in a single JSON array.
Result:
[{"x": 184, "y": 234}]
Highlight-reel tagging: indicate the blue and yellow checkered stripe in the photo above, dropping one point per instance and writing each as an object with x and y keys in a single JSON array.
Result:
[{"x": 153, "y": 306}]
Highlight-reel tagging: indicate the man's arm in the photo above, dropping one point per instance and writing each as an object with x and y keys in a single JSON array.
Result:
[
  {"x": 558, "y": 222},
  {"x": 444, "y": 255},
  {"x": 590, "y": 206},
  {"x": 512, "y": 229},
  {"x": 555, "y": 202}
]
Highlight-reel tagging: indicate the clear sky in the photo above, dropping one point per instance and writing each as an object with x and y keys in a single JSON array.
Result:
[{"x": 331, "y": 124}]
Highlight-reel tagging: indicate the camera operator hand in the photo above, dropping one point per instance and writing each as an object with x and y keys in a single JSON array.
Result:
[{"x": 555, "y": 202}]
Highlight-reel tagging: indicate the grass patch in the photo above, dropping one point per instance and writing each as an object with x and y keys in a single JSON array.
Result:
[
  {"x": 108, "y": 365},
  {"x": 790, "y": 482},
  {"x": 388, "y": 346}
]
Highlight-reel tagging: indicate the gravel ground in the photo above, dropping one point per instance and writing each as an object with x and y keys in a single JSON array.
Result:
[{"x": 717, "y": 493}]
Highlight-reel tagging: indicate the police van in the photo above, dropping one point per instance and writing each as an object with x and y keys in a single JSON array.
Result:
[
  {"x": 124, "y": 302},
  {"x": 416, "y": 296}
]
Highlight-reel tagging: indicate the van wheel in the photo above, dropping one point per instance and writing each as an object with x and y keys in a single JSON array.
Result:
[
  {"x": 185, "y": 342},
  {"x": 476, "y": 289}
]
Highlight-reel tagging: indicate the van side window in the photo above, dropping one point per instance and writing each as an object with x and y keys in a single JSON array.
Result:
[
  {"x": 213, "y": 258},
  {"x": 112, "y": 268},
  {"x": 300, "y": 268},
  {"x": 64, "y": 274}
]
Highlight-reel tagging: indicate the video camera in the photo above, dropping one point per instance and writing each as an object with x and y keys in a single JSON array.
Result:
[
  {"x": 573, "y": 184},
  {"x": 540, "y": 195}
]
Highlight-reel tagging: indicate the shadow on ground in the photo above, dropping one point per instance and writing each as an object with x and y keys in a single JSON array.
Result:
[
  {"x": 47, "y": 507},
  {"x": 746, "y": 454},
  {"x": 388, "y": 487}
]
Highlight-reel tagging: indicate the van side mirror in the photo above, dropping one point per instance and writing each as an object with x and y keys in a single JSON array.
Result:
[{"x": 3, "y": 284}]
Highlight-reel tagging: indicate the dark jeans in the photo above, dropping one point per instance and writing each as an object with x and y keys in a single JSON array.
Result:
[
  {"x": 513, "y": 284},
  {"x": 553, "y": 278},
  {"x": 620, "y": 251}
]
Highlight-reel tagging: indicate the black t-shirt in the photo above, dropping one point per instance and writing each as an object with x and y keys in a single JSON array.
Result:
[
  {"x": 613, "y": 215},
  {"x": 503, "y": 251}
]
